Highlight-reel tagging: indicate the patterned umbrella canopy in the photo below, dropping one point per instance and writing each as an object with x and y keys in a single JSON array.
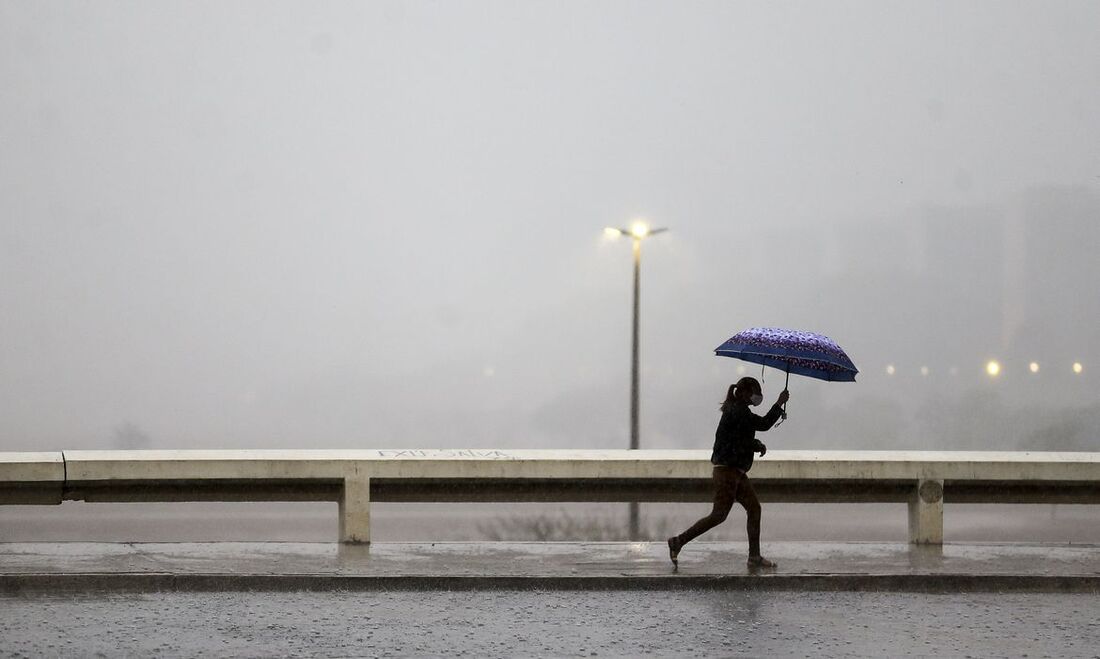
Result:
[{"x": 801, "y": 353}]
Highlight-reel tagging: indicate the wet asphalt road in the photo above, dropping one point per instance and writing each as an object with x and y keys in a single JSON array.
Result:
[{"x": 518, "y": 623}]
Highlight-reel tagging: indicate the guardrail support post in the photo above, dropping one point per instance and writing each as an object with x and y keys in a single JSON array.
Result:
[
  {"x": 355, "y": 511},
  {"x": 926, "y": 513}
]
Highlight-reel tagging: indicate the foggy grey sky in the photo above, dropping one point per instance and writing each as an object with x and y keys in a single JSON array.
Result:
[{"x": 379, "y": 224}]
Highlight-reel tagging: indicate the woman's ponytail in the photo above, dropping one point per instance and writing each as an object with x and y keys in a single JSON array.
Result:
[{"x": 743, "y": 390}]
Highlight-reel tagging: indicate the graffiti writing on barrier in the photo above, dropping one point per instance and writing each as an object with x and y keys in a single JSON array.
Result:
[{"x": 444, "y": 453}]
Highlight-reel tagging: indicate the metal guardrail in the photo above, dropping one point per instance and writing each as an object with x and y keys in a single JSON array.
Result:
[{"x": 925, "y": 480}]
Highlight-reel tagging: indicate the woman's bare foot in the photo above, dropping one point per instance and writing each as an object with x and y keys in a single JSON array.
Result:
[{"x": 760, "y": 561}]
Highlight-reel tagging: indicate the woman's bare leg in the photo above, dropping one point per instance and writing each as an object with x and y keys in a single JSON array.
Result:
[
  {"x": 746, "y": 495},
  {"x": 725, "y": 493}
]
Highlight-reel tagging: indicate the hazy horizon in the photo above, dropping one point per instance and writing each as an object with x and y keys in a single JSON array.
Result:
[{"x": 285, "y": 225}]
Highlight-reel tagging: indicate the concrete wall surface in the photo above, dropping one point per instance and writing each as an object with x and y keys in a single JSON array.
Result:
[
  {"x": 87, "y": 466},
  {"x": 28, "y": 467},
  {"x": 31, "y": 478},
  {"x": 84, "y": 466}
]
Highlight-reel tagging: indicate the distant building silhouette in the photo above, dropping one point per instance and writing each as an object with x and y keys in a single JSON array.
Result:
[
  {"x": 963, "y": 256},
  {"x": 1059, "y": 316}
]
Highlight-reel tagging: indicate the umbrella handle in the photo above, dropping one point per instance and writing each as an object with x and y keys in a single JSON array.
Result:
[{"x": 785, "y": 383}]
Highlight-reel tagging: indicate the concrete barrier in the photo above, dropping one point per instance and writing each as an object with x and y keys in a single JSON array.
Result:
[
  {"x": 925, "y": 480},
  {"x": 31, "y": 478}
]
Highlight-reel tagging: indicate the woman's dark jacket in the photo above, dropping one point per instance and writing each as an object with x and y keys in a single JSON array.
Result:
[{"x": 735, "y": 440}]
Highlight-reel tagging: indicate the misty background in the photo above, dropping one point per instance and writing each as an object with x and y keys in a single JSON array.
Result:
[{"x": 375, "y": 225}]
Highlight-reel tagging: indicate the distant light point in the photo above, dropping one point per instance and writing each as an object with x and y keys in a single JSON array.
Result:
[
  {"x": 890, "y": 370},
  {"x": 1078, "y": 368},
  {"x": 924, "y": 370},
  {"x": 1033, "y": 367},
  {"x": 639, "y": 229},
  {"x": 993, "y": 368}
]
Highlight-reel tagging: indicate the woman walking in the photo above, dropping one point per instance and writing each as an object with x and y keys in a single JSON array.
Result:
[{"x": 734, "y": 445}]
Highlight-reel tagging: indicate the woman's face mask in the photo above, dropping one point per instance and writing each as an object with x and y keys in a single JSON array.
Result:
[{"x": 757, "y": 399}]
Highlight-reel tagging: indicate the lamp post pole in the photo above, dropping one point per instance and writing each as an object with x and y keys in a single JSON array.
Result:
[
  {"x": 638, "y": 231},
  {"x": 634, "y": 365}
]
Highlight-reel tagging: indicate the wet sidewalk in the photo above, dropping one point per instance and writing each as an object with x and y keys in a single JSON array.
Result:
[{"x": 78, "y": 566}]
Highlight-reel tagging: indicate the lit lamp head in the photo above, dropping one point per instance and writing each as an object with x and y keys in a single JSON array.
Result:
[
  {"x": 993, "y": 368},
  {"x": 638, "y": 230}
]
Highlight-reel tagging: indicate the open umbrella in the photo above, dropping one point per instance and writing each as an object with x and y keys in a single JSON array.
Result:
[{"x": 791, "y": 351}]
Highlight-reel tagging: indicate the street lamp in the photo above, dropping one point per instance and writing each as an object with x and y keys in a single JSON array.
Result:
[{"x": 638, "y": 232}]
